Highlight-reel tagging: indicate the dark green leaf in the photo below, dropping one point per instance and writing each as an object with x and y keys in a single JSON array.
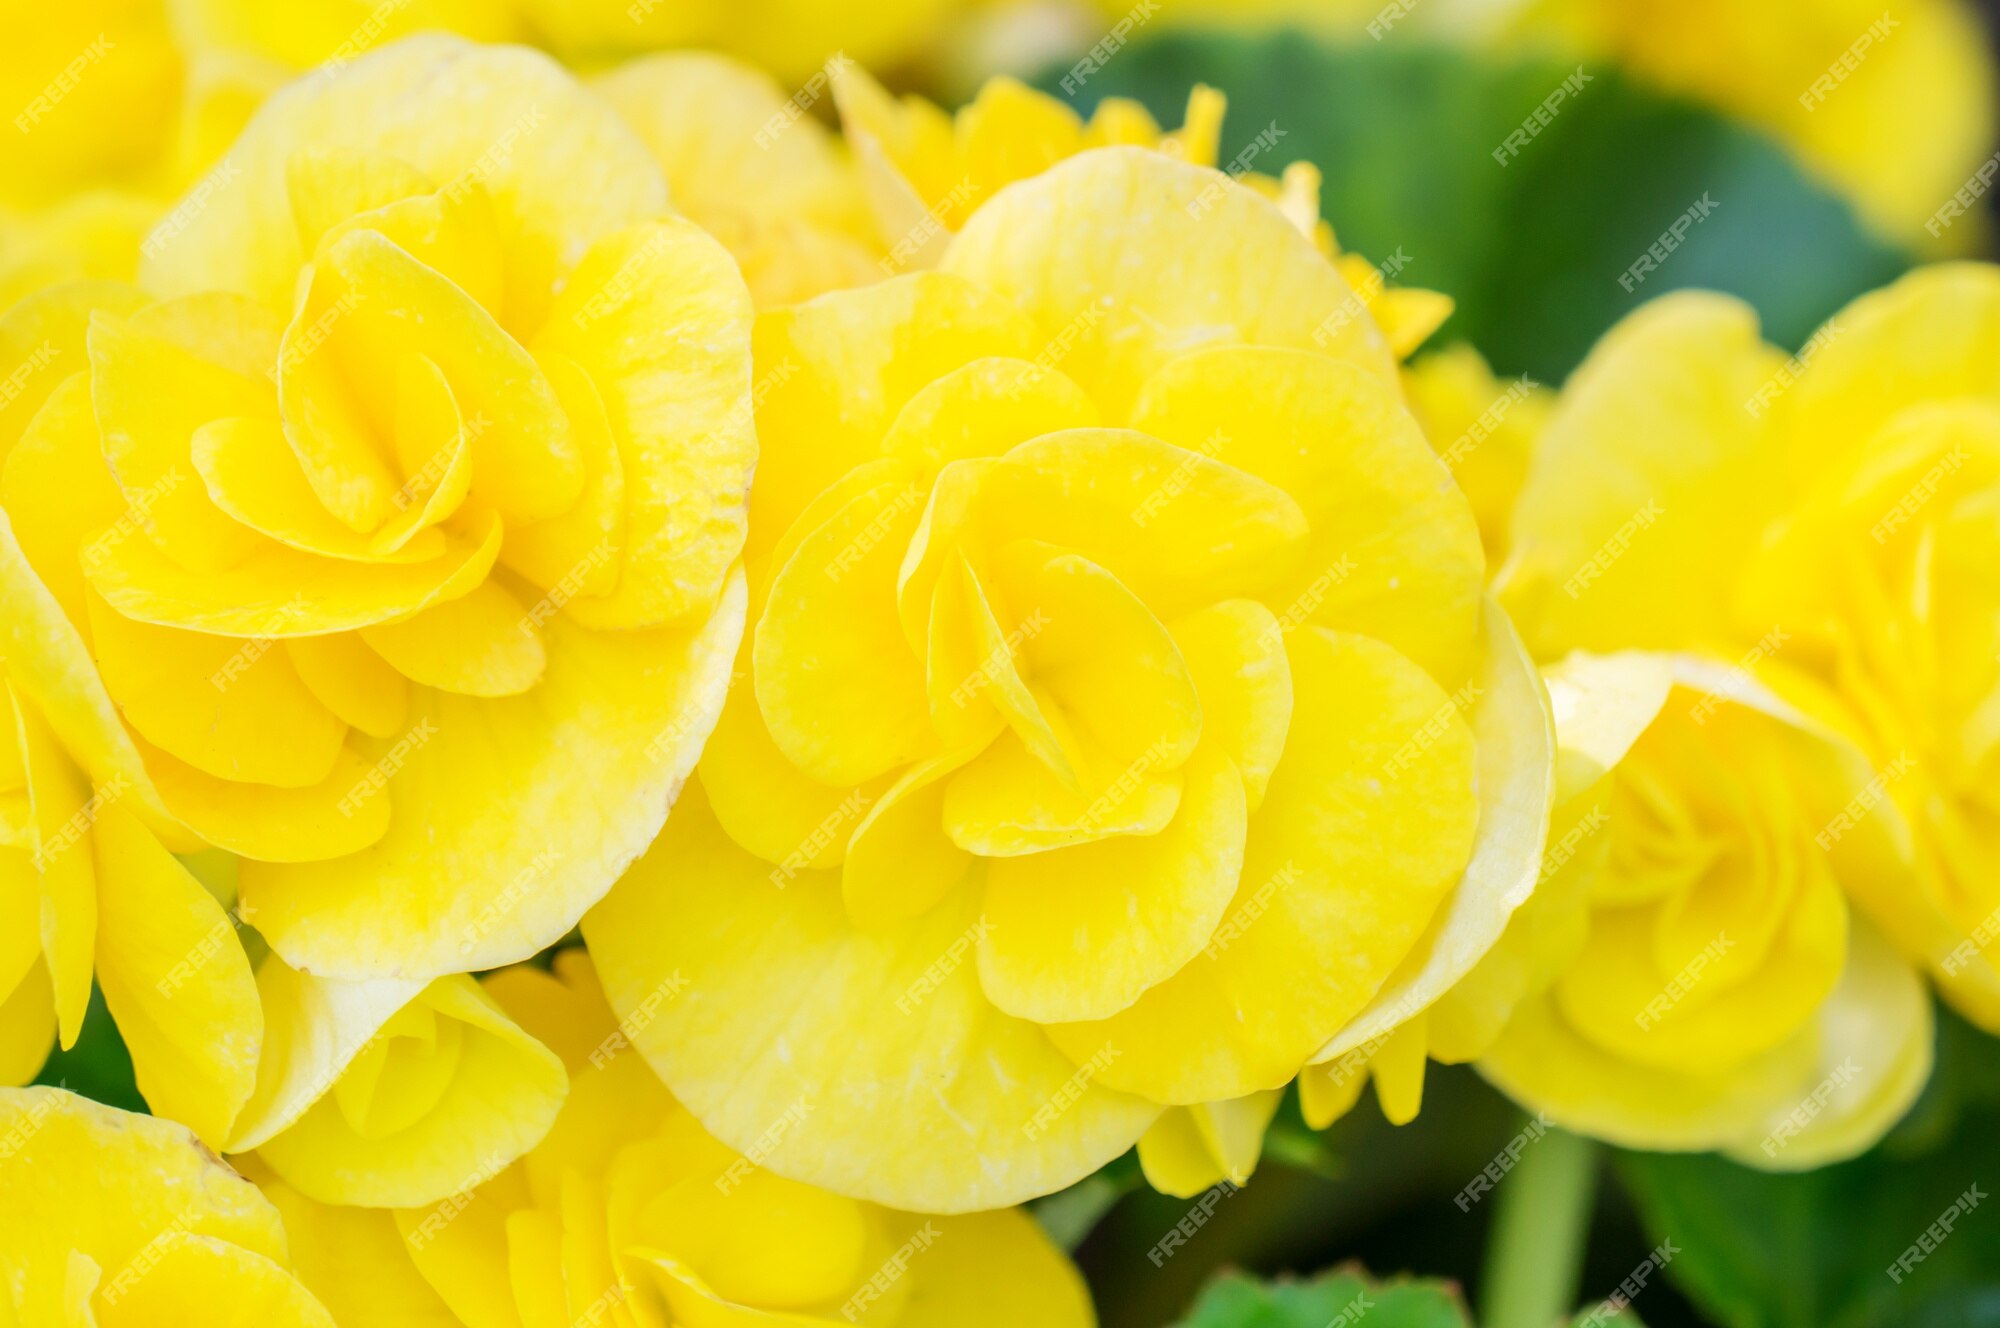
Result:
[{"x": 1816, "y": 1250}]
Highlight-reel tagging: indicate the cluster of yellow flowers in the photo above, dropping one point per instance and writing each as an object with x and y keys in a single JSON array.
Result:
[{"x": 1126, "y": 688}]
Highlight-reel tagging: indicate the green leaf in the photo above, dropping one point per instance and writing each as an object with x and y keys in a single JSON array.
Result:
[
  {"x": 1532, "y": 250},
  {"x": 1333, "y": 1299},
  {"x": 1817, "y": 1249}
]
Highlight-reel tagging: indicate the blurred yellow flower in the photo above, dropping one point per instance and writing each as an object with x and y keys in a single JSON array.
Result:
[
  {"x": 1709, "y": 988},
  {"x": 799, "y": 41},
  {"x": 126, "y": 1221},
  {"x": 926, "y": 171},
  {"x": 1484, "y": 431},
  {"x": 630, "y": 1213},
  {"x": 1119, "y": 657},
  {"x": 1894, "y": 106},
  {"x": 1891, "y": 444},
  {"x": 776, "y": 187},
  {"x": 405, "y": 559},
  {"x": 1866, "y": 580}
]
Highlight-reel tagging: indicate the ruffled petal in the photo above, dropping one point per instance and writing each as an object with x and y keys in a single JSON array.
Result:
[
  {"x": 948, "y": 1105},
  {"x": 563, "y": 786}
]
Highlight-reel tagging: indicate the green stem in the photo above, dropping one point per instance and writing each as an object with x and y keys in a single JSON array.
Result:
[{"x": 1535, "y": 1251}]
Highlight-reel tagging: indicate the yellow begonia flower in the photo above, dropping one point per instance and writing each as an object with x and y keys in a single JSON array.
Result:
[
  {"x": 124, "y": 1221},
  {"x": 398, "y": 511},
  {"x": 390, "y": 1093},
  {"x": 91, "y": 90},
  {"x": 89, "y": 888},
  {"x": 800, "y": 41},
  {"x": 1121, "y": 726},
  {"x": 1714, "y": 992},
  {"x": 926, "y": 171},
  {"x": 629, "y": 1213},
  {"x": 112, "y": 118},
  {"x": 774, "y": 186},
  {"x": 295, "y": 36},
  {"x": 1696, "y": 489}
]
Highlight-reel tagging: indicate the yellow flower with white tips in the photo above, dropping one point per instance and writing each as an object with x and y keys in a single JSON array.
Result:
[
  {"x": 1121, "y": 725},
  {"x": 398, "y": 508},
  {"x": 123, "y": 1221},
  {"x": 629, "y": 1213}
]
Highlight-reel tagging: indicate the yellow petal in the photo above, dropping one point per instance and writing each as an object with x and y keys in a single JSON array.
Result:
[
  {"x": 1329, "y": 1090},
  {"x": 580, "y": 550},
  {"x": 150, "y": 395},
  {"x": 232, "y": 708},
  {"x": 187, "y": 1276},
  {"x": 984, "y": 408},
  {"x": 48, "y": 662},
  {"x": 1875, "y": 1055},
  {"x": 1081, "y": 932},
  {"x": 62, "y": 806},
  {"x": 900, "y": 861},
  {"x": 657, "y": 316},
  {"x": 561, "y": 168},
  {"x": 1135, "y": 258},
  {"x": 486, "y": 643},
  {"x": 550, "y": 795},
  {"x": 1007, "y": 802},
  {"x": 352, "y": 681},
  {"x": 43, "y": 337},
  {"x": 948, "y": 1105},
  {"x": 1398, "y": 1071},
  {"x": 989, "y": 1270},
  {"x": 494, "y": 1098},
  {"x": 285, "y": 592},
  {"x": 60, "y": 495},
  {"x": 842, "y": 695},
  {"x": 765, "y": 802},
  {"x": 835, "y": 372},
  {"x": 27, "y": 1027},
  {"x": 1394, "y": 551},
  {"x": 1652, "y": 475},
  {"x": 1235, "y": 652},
  {"x": 330, "y": 819},
  {"x": 252, "y": 473},
  {"x": 354, "y": 1260},
  {"x": 1512, "y": 725},
  {"x": 1368, "y": 823},
  {"x": 176, "y": 979},
  {"x": 152, "y": 1178},
  {"x": 1932, "y": 335},
  {"x": 1192, "y": 1148}
]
